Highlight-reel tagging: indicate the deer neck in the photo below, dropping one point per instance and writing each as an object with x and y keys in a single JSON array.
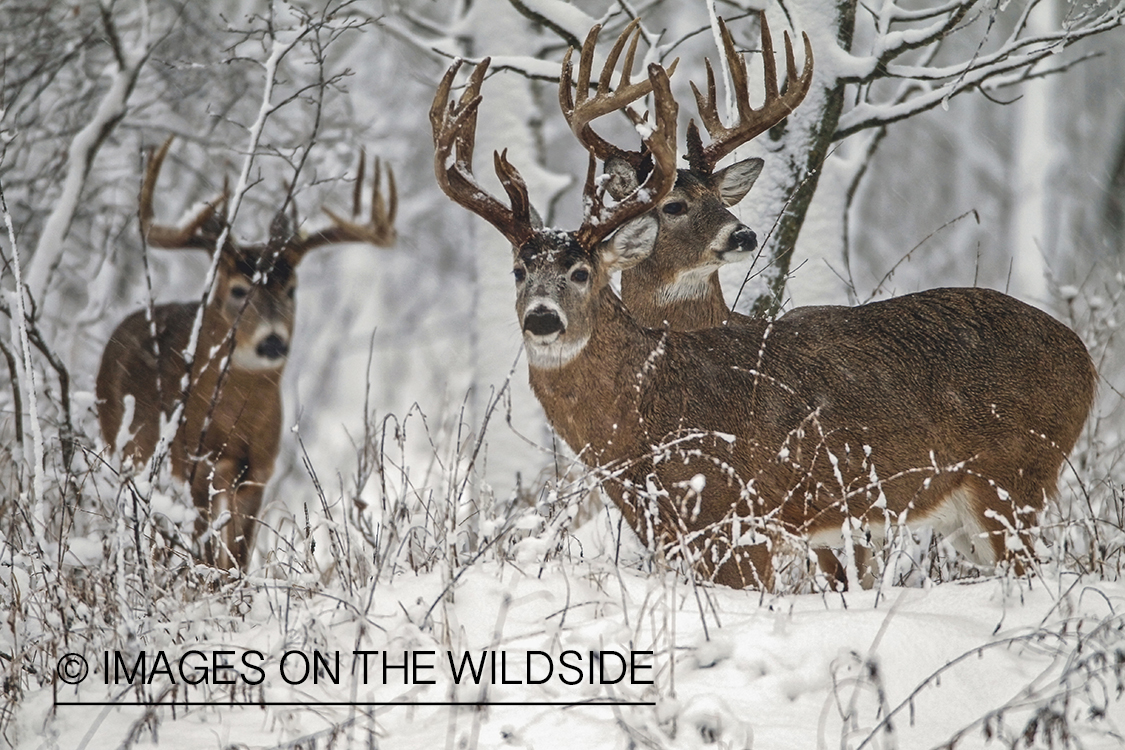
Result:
[
  {"x": 690, "y": 301},
  {"x": 592, "y": 400}
]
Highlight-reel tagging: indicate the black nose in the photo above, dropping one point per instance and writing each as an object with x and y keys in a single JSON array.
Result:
[
  {"x": 273, "y": 347},
  {"x": 542, "y": 322},
  {"x": 743, "y": 239}
]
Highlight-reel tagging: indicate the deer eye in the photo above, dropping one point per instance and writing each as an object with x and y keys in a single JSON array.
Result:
[
  {"x": 580, "y": 275},
  {"x": 239, "y": 292},
  {"x": 674, "y": 208},
  {"x": 520, "y": 275}
]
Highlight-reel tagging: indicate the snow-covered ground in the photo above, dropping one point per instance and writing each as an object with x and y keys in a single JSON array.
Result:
[{"x": 908, "y": 667}]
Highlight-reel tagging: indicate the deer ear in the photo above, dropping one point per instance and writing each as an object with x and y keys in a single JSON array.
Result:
[
  {"x": 630, "y": 244},
  {"x": 735, "y": 181},
  {"x": 622, "y": 178},
  {"x": 536, "y": 219}
]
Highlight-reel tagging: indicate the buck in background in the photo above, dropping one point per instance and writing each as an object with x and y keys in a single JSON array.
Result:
[
  {"x": 953, "y": 408},
  {"x": 229, "y": 427}
]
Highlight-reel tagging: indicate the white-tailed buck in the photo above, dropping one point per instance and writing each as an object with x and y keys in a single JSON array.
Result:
[
  {"x": 954, "y": 407},
  {"x": 229, "y": 384},
  {"x": 677, "y": 284}
]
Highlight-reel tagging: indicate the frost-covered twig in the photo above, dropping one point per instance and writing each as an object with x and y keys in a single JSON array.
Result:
[
  {"x": 282, "y": 44},
  {"x": 935, "y": 85}
]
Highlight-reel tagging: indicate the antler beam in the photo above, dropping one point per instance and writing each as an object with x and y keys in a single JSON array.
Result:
[
  {"x": 602, "y": 219},
  {"x": 197, "y": 233},
  {"x": 379, "y": 230},
  {"x": 454, "y": 125}
]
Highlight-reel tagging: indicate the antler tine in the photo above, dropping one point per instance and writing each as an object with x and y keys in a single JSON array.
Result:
[
  {"x": 581, "y": 109},
  {"x": 751, "y": 123},
  {"x": 389, "y": 211},
  {"x": 514, "y": 186},
  {"x": 601, "y": 221},
  {"x": 379, "y": 230},
  {"x": 190, "y": 235},
  {"x": 454, "y": 129},
  {"x": 357, "y": 189}
]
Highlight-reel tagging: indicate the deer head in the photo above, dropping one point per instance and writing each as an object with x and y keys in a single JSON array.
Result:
[
  {"x": 560, "y": 275},
  {"x": 253, "y": 299},
  {"x": 676, "y": 284}
]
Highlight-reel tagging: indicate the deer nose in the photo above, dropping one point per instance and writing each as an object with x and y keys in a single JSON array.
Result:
[
  {"x": 743, "y": 240},
  {"x": 273, "y": 347},
  {"x": 543, "y": 322}
]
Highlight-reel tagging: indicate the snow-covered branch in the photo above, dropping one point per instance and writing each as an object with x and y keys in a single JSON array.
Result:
[
  {"x": 929, "y": 87},
  {"x": 128, "y": 63}
]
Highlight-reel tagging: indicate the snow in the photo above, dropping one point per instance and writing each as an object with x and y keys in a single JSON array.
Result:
[
  {"x": 80, "y": 157},
  {"x": 469, "y": 532},
  {"x": 913, "y": 668}
]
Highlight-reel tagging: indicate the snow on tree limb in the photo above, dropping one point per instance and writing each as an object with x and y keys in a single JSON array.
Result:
[
  {"x": 80, "y": 157},
  {"x": 560, "y": 17},
  {"x": 26, "y": 367},
  {"x": 929, "y": 87},
  {"x": 283, "y": 44}
]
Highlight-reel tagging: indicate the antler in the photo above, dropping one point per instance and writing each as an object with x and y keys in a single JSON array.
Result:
[
  {"x": 379, "y": 230},
  {"x": 580, "y": 113},
  {"x": 751, "y": 122},
  {"x": 199, "y": 232},
  {"x": 602, "y": 219},
  {"x": 454, "y": 125}
]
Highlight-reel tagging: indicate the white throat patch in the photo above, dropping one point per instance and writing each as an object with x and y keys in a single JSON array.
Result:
[
  {"x": 246, "y": 356},
  {"x": 553, "y": 354},
  {"x": 692, "y": 284}
]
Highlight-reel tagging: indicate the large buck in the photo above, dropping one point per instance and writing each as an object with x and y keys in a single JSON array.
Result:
[
  {"x": 677, "y": 284},
  {"x": 954, "y": 408},
  {"x": 227, "y": 394}
]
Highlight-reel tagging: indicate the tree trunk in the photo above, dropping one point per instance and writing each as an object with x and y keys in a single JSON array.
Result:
[{"x": 805, "y": 174}]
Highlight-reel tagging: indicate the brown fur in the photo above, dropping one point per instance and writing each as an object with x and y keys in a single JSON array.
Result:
[
  {"x": 943, "y": 406},
  {"x": 945, "y": 391},
  {"x": 686, "y": 241},
  {"x": 228, "y": 430}
]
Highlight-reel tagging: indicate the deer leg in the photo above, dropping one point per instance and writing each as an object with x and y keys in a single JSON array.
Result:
[
  {"x": 990, "y": 525},
  {"x": 739, "y": 567},
  {"x": 212, "y": 487},
  {"x": 832, "y": 567},
  {"x": 748, "y": 567},
  {"x": 244, "y": 522},
  {"x": 837, "y": 571}
]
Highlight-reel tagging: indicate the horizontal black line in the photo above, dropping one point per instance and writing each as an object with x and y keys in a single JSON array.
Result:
[{"x": 357, "y": 704}]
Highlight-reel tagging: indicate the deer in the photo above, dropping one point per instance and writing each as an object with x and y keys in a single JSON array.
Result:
[
  {"x": 677, "y": 285},
  {"x": 224, "y": 394},
  {"x": 954, "y": 408}
]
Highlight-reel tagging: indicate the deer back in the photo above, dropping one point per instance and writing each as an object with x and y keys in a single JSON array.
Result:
[{"x": 811, "y": 418}]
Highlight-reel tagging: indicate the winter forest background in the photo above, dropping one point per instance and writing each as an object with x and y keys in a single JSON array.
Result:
[{"x": 419, "y": 497}]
